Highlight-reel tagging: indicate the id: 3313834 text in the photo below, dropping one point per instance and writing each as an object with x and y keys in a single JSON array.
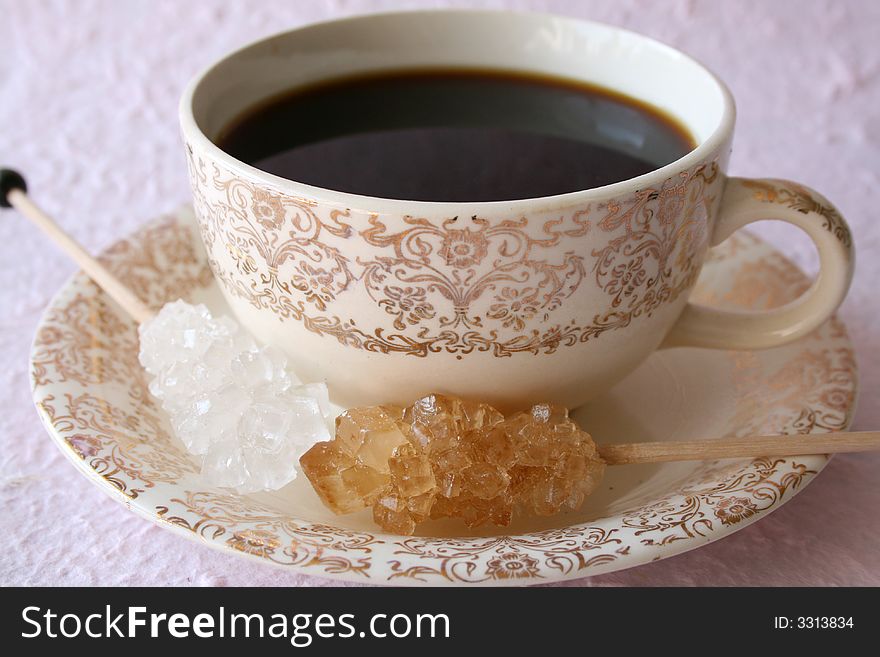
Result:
[{"x": 813, "y": 622}]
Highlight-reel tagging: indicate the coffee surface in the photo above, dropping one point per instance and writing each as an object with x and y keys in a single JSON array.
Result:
[{"x": 455, "y": 135}]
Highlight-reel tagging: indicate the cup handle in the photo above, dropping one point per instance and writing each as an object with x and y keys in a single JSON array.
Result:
[{"x": 746, "y": 200}]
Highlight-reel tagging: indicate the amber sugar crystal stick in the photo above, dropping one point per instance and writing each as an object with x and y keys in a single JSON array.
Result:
[{"x": 444, "y": 457}]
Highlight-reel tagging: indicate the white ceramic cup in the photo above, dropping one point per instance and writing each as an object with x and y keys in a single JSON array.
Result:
[{"x": 510, "y": 302}]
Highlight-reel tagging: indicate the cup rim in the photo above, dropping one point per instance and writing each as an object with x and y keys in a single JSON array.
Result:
[{"x": 377, "y": 204}]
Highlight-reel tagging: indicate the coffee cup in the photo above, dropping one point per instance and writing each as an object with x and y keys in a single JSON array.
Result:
[{"x": 511, "y": 302}]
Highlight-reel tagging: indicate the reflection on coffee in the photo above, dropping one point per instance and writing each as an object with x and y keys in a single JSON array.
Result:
[{"x": 455, "y": 135}]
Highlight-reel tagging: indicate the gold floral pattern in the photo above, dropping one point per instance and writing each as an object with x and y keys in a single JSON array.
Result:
[
  {"x": 565, "y": 551},
  {"x": 409, "y": 305},
  {"x": 688, "y": 513},
  {"x": 457, "y": 285},
  {"x": 797, "y": 197},
  {"x": 464, "y": 248},
  {"x": 733, "y": 509},
  {"x": 91, "y": 395},
  {"x": 254, "y": 541},
  {"x": 514, "y": 307},
  {"x": 267, "y": 209},
  {"x": 263, "y": 531},
  {"x": 512, "y": 565}
]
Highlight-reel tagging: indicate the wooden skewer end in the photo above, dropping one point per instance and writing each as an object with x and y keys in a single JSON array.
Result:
[
  {"x": 10, "y": 180},
  {"x": 13, "y": 194}
]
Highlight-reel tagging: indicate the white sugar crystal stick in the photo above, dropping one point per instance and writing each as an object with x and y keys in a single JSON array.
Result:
[{"x": 230, "y": 401}]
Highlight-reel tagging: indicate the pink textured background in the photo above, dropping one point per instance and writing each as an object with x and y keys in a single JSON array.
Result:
[{"x": 88, "y": 101}]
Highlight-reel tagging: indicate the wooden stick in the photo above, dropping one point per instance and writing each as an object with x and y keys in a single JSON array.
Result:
[
  {"x": 18, "y": 199},
  {"x": 728, "y": 448}
]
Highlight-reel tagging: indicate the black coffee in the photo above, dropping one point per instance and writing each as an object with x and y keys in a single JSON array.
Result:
[{"x": 459, "y": 135}]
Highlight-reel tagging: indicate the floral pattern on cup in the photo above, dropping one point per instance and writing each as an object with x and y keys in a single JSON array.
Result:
[{"x": 460, "y": 284}]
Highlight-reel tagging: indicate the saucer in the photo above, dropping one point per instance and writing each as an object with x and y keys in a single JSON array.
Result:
[{"x": 92, "y": 397}]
